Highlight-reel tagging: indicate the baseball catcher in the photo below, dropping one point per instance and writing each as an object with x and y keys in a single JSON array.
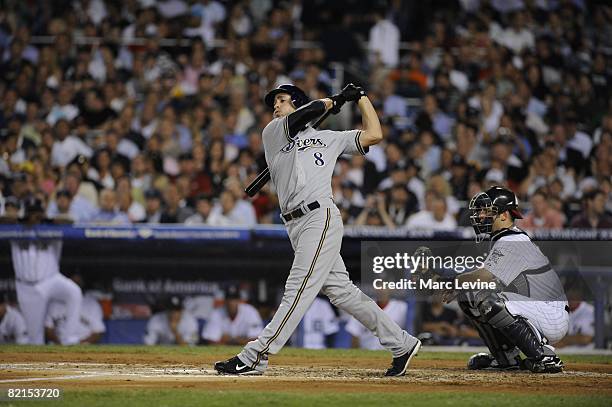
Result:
[{"x": 528, "y": 310}]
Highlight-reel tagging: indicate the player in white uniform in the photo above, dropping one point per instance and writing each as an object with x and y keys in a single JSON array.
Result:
[
  {"x": 12, "y": 326},
  {"x": 38, "y": 281},
  {"x": 301, "y": 161},
  {"x": 235, "y": 323},
  {"x": 317, "y": 327},
  {"x": 528, "y": 310},
  {"x": 91, "y": 323},
  {"x": 174, "y": 326},
  {"x": 363, "y": 338}
]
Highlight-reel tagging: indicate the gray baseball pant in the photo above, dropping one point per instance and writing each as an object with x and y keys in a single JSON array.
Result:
[{"x": 318, "y": 267}]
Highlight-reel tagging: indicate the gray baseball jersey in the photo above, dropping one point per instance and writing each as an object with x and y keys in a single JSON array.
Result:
[
  {"x": 531, "y": 287},
  {"x": 522, "y": 267},
  {"x": 301, "y": 169}
]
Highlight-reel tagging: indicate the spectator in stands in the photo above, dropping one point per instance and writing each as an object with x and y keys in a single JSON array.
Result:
[
  {"x": 485, "y": 70},
  {"x": 318, "y": 326},
  {"x": 63, "y": 200},
  {"x": 244, "y": 209},
  {"x": 91, "y": 324},
  {"x": 402, "y": 204},
  {"x": 153, "y": 206},
  {"x": 11, "y": 210},
  {"x": 227, "y": 213},
  {"x": 436, "y": 218},
  {"x": 81, "y": 209},
  {"x": 12, "y": 325},
  {"x": 542, "y": 214},
  {"x": 66, "y": 146},
  {"x": 236, "y": 323},
  {"x": 374, "y": 212},
  {"x": 199, "y": 182},
  {"x": 175, "y": 209},
  {"x": 101, "y": 170},
  {"x": 126, "y": 203},
  {"x": 109, "y": 214},
  {"x": 203, "y": 209},
  {"x": 593, "y": 215},
  {"x": 172, "y": 326}
]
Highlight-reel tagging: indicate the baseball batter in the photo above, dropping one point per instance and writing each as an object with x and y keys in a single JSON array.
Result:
[
  {"x": 39, "y": 281},
  {"x": 301, "y": 162},
  {"x": 529, "y": 310}
]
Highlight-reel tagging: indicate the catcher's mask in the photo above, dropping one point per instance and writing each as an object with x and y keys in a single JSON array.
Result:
[
  {"x": 482, "y": 215},
  {"x": 485, "y": 206}
]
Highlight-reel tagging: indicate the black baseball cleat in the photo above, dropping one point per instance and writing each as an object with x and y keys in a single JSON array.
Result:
[
  {"x": 482, "y": 361},
  {"x": 400, "y": 363},
  {"x": 235, "y": 366},
  {"x": 547, "y": 364}
]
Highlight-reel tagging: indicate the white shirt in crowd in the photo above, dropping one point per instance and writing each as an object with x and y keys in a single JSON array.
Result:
[
  {"x": 91, "y": 318},
  {"x": 159, "y": 332},
  {"x": 582, "y": 320},
  {"x": 243, "y": 214},
  {"x": 63, "y": 152},
  {"x": 13, "y": 328},
  {"x": 396, "y": 309},
  {"x": 384, "y": 40},
  {"x": 318, "y": 322},
  {"x": 35, "y": 260},
  {"x": 426, "y": 220},
  {"x": 246, "y": 324}
]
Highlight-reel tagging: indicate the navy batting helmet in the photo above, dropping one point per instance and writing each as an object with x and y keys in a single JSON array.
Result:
[
  {"x": 298, "y": 97},
  {"x": 485, "y": 206}
]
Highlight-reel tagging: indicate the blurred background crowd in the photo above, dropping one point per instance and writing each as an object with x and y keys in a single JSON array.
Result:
[
  {"x": 142, "y": 111},
  {"x": 117, "y": 112}
]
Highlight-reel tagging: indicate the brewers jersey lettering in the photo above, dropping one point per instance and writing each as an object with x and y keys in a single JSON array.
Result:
[{"x": 301, "y": 167}]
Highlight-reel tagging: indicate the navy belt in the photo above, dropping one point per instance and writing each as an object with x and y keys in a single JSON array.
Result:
[{"x": 299, "y": 212}]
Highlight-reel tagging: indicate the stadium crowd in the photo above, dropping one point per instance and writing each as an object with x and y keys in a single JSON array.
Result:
[{"x": 107, "y": 124}]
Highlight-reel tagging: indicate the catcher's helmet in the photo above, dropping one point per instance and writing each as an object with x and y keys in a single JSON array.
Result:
[
  {"x": 298, "y": 97},
  {"x": 485, "y": 206}
]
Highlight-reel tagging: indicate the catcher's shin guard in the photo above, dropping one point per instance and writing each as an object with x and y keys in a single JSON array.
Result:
[
  {"x": 541, "y": 358},
  {"x": 504, "y": 354}
]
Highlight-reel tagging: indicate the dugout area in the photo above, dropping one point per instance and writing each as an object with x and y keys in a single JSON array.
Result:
[{"x": 157, "y": 376}]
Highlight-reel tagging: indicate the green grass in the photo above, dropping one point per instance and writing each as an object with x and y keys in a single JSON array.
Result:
[
  {"x": 191, "y": 397},
  {"x": 288, "y": 351}
]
